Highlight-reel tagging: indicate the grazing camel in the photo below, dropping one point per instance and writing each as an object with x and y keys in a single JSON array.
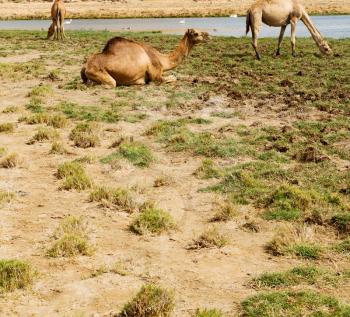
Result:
[
  {"x": 127, "y": 62},
  {"x": 281, "y": 13},
  {"x": 58, "y": 12}
]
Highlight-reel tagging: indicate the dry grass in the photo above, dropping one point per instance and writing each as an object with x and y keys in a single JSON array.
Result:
[
  {"x": 7, "y": 127},
  {"x": 85, "y": 135},
  {"x": 210, "y": 238},
  {"x": 296, "y": 240},
  {"x": 44, "y": 134},
  {"x": 225, "y": 211},
  {"x": 58, "y": 148},
  {"x": 6, "y": 196},
  {"x": 10, "y": 161}
]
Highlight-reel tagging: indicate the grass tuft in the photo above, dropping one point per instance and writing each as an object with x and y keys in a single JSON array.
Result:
[
  {"x": 226, "y": 211},
  {"x": 9, "y": 161},
  {"x": 150, "y": 301},
  {"x": 207, "y": 170},
  {"x": 74, "y": 176},
  {"x": 44, "y": 134},
  {"x": 135, "y": 152},
  {"x": 116, "y": 198},
  {"x": 71, "y": 239},
  {"x": 58, "y": 148},
  {"x": 7, "y": 127},
  {"x": 210, "y": 238},
  {"x": 6, "y": 196},
  {"x": 84, "y": 135},
  {"x": 15, "y": 274},
  {"x": 152, "y": 220}
]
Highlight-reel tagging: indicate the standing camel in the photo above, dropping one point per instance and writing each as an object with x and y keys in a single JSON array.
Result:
[
  {"x": 127, "y": 62},
  {"x": 58, "y": 12},
  {"x": 281, "y": 13}
]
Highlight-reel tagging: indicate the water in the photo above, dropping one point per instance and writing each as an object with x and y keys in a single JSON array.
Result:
[{"x": 336, "y": 26}]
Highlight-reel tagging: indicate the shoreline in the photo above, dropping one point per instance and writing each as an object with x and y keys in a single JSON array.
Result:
[{"x": 110, "y": 17}]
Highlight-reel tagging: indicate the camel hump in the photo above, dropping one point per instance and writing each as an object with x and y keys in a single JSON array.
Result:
[{"x": 114, "y": 42}]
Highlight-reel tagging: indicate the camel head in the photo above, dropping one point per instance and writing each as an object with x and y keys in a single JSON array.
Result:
[
  {"x": 325, "y": 48},
  {"x": 196, "y": 36}
]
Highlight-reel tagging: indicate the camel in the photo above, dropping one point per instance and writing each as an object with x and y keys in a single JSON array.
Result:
[
  {"x": 281, "y": 13},
  {"x": 58, "y": 12},
  {"x": 127, "y": 62}
]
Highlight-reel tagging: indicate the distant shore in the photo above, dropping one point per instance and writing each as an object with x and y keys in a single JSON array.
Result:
[{"x": 151, "y": 8}]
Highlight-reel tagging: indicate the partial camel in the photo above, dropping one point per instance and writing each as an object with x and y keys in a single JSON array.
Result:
[
  {"x": 281, "y": 13},
  {"x": 127, "y": 62},
  {"x": 58, "y": 13}
]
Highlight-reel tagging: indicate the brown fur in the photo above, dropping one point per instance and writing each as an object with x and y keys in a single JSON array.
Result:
[
  {"x": 281, "y": 13},
  {"x": 58, "y": 13},
  {"x": 127, "y": 62}
]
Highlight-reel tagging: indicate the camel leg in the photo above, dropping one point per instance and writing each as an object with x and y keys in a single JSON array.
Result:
[
  {"x": 280, "y": 39},
  {"x": 101, "y": 78},
  {"x": 293, "y": 24},
  {"x": 256, "y": 26},
  {"x": 55, "y": 32}
]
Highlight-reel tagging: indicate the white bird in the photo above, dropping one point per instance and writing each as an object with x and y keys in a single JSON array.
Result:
[
  {"x": 68, "y": 22},
  {"x": 182, "y": 22},
  {"x": 233, "y": 16}
]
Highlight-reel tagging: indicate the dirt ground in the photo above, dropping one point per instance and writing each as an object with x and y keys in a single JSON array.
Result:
[
  {"x": 214, "y": 277},
  {"x": 152, "y": 8}
]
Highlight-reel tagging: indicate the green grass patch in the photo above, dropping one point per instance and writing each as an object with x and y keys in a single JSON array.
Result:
[
  {"x": 135, "y": 152},
  {"x": 208, "y": 170},
  {"x": 54, "y": 120},
  {"x": 293, "y": 303}
]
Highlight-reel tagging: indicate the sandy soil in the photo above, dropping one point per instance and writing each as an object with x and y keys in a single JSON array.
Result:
[
  {"x": 152, "y": 8},
  {"x": 201, "y": 278}
]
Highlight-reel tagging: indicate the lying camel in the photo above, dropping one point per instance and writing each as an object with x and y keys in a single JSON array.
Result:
[
  {"x": 281, "y": 13},
  {"x": 127, "y": 62},
  {"x": 56, "y": 29}
]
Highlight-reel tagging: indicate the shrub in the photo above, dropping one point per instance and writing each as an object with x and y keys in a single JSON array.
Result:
[{"x": 150, "y": 301}]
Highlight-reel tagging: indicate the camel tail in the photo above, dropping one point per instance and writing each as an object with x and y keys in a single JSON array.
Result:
[
  {"x": 248, "y": 23},
  {"x": 83, "y": 75}
]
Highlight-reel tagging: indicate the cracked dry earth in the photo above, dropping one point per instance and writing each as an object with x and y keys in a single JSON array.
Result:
[{"x": 209, "y": 277}]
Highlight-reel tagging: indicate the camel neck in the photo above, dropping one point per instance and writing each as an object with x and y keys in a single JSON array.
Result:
[{"x": 173, "y": 59}]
